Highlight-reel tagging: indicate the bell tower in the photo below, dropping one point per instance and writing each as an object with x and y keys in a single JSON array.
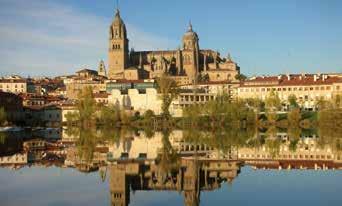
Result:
[
  {"x": 118, "y": 48},
  {"x": 191, "y": 53}
]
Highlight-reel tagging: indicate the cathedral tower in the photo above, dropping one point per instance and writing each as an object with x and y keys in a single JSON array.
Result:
[
  {"x": 102, "y": 69},
  {"x": 191, "y": 53},
  {"x": 118, "y": 48}
]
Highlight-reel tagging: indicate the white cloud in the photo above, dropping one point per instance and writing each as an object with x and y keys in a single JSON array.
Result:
[{"x": 40, "y": 37}]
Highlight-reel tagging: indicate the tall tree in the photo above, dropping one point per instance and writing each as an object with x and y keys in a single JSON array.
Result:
[
  {"x": 169, "y": 91},
  {"x": 86, "y": 105}
]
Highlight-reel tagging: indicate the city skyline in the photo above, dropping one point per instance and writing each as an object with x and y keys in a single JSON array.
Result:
[{"x": 58, "y": 37}]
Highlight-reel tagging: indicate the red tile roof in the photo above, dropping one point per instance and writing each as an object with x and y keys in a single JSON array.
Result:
[{"x": 291, "y": 80}]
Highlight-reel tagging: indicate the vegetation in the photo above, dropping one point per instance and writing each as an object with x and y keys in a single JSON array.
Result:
[
  {"x": 294, "y": 117},
  {"x": 169, "y": 91},
  {"x": 3, "y": 117},
  {"x": 86, "y": 106},
  {"x": 218, "y": 113},
  {"x": 241, "y": 77}
]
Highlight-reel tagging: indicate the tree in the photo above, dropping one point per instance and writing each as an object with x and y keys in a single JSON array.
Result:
[
  {"x": 322, "y": 104},
  {"x": 294, "y": 117},
  {"x": 2, "y": 116},
  {"x": 109, "y": 115},
  {"x": 337, "y": 101},
  {"x": 72, "y": 117},
  {"x": 240, "y": 77},
  {"x": 292, "y": 99},
  {"x": 272, "y": 101},
  {"x": 148, "y": 116},
  {"x": 169, "y": 91},
  {"x": 86, "y": 105}
]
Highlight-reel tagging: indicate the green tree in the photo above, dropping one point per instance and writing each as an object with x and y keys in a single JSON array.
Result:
[
  {"x": 337, "y": 101},
  {"x": 294, "y": 117},
  {"x": 323, "y": 104},
  {"x": 240, "y": 77},
  {"x": 3, "y": 117},
  {"x": 272, "y": 101},
  {"x": 169, "y": 91},
  {"x": 86, "y": 105},
  {"x": 148, "y": 117},
  {"x": 109, "y": 115},
  {"x": 292, "y": 99}
]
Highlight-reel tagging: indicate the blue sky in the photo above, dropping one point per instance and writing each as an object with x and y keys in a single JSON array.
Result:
[{"x": 53, "y": 37}]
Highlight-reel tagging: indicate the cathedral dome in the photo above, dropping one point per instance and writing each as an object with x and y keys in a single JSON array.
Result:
[
  {"x": 117, "y": 19},
  {"x": 190, "y": 33}
]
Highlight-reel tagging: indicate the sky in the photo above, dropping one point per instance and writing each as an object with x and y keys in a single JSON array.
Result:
[{"x": 56, "y": 37}]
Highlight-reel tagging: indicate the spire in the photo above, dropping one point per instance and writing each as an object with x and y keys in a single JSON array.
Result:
[
  {"x": 229, "y": 58},
  {"x": 190, "y": 26},
  {"x": 117, "y": 10}
]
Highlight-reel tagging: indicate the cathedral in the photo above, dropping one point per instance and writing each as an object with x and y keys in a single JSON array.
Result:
[{"x": 186, "y": 65}]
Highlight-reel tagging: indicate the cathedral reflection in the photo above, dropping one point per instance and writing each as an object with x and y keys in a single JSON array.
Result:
[
  {"x": 189, "y": 162},
  {"x": 192, "y": 177}
]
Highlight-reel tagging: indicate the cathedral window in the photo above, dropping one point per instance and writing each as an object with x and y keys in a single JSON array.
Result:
[{"x": 116, "y": 33}]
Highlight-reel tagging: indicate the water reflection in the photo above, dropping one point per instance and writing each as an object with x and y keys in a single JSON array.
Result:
[{"x": 186, "y": 161}]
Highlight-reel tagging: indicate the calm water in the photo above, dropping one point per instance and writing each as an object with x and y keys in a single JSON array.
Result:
[{"x": 84, "y": 168}]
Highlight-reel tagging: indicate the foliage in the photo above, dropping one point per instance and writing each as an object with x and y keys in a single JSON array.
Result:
[
  {"x": 323, "y": 104},
  {"x": 169, "y": 91},
  {"x": 72, "y": 117},
  {"x": 86, "y": 105},
  {"x": 337, "y": 101},
  {"x": 292, "y": 99},
  {"x": 272, "y": 102},
  {"x": 2, "y": 137},
  {"x": 2, "y": 116},
  {"x": 219, "y": 112},
  {"x": 168, "y": 159},
  {"x": 109, "y": 115},
  {"x": 125, "y": 118},
  {"x": 240, "y": 77},
  {"x": 148, "y": 116},
  {"x": 294, "y": 117}
]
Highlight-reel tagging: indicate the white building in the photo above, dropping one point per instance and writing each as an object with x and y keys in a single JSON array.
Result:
[{"x": 13, "y": 85}]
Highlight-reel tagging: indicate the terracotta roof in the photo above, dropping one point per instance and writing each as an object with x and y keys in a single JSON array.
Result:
[
  {"x": 12, "y": 81},
  {"x": 291, "y": 80},
  {"x": 86, "y": 70}
]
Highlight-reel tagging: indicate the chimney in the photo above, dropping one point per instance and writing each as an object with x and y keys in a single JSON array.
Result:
[
  {"x": 279, "y": 77},
  {"x": 288, "y": 77},
  {"x": 324, "y": 77},
  {"x": 315, "y": 78}
]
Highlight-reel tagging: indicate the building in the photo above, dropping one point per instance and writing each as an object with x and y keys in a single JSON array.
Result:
[
  {"x": 125, "y": 85},
  {"x": 137, "y": 101},
  {"x": 87, "y": 73},
  {"x": 75, "y": 87},
  {"x": 13, "y": 85},
  {"x": 102, "y": 69},
  {"x": 185, "y": 64},
  {"x": 308, "y": 88}
]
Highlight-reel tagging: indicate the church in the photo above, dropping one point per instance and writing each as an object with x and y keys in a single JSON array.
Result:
[{"x": 186, "y": 65}]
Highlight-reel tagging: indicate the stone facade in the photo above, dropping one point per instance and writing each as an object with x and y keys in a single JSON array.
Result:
[
  {"x": 13, "y": 85},
  {"x": 185, "y": 64},
  {"x": 308, "y": 88}
]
